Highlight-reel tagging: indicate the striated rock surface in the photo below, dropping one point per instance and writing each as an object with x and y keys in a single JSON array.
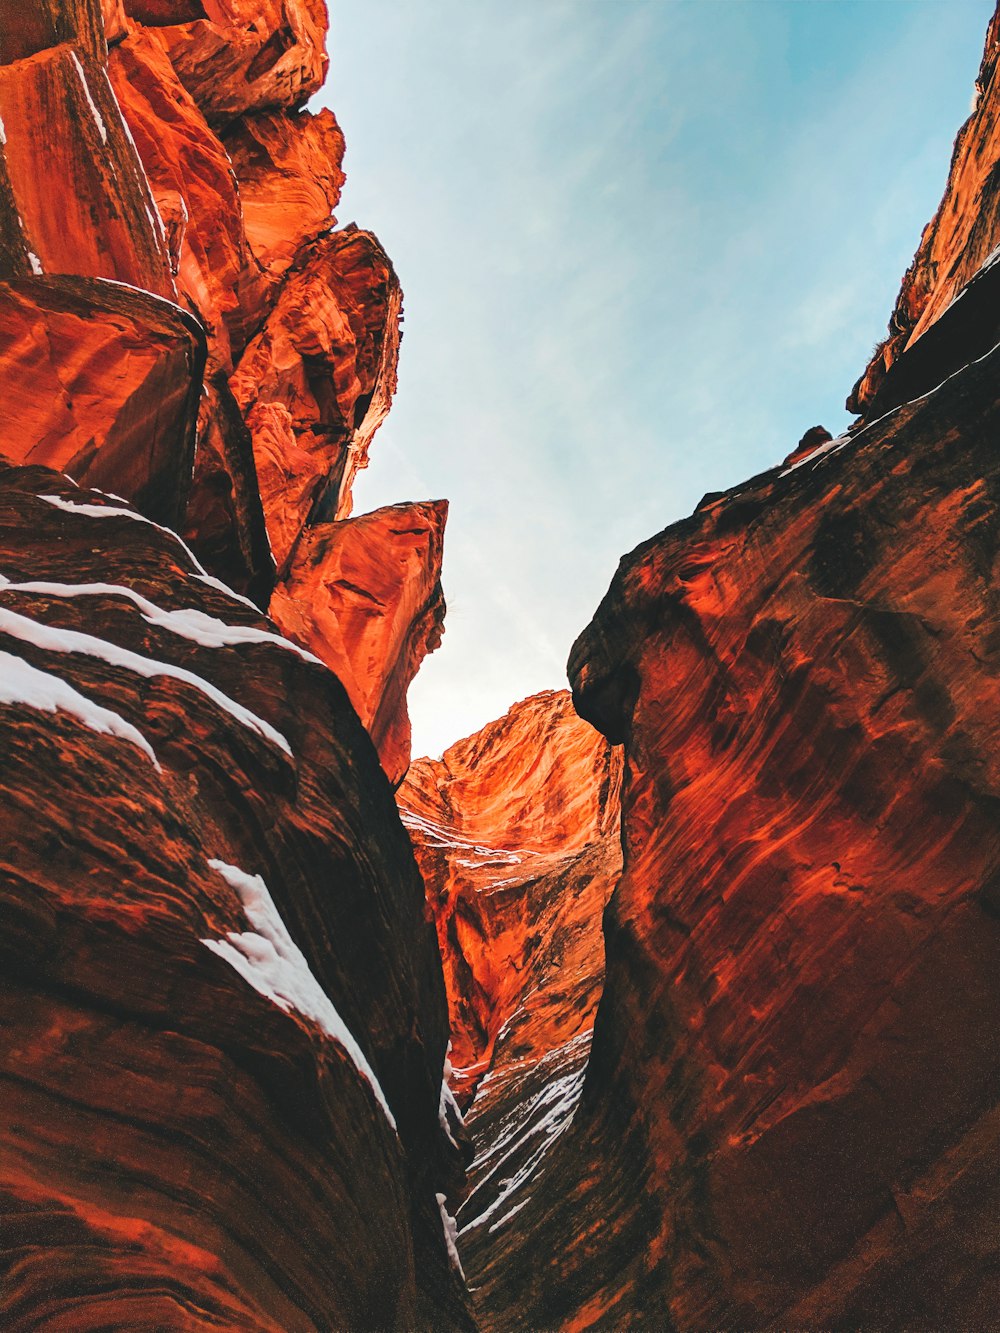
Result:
[
  {"x": 516, "y": 833},
  {"x": 102, "y": 382},
  {"x": 223, "y": 1100},
  {"x": 224, "y": 1015},
  {"x": 234, "y": 56},
  {"x": 959, "y": 241},
  {"x": 317, "y": 381},
  {"x": 290, "y": 176},
  {"x": 194, "y": 186},
  {"x": 365, "y": 596},
  {"x": 63, "y": 132},
  {"x": 790, "y": 1117}
]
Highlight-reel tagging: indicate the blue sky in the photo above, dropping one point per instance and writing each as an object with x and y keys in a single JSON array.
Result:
[{"x": 644, "y": 245}]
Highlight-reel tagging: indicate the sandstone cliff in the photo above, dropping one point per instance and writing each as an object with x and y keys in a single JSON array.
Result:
[
  {"x": 225, "y": 1024},
  {"x": 790, "y": 1114}
]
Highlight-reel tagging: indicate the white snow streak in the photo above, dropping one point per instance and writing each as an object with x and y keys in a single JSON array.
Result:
[
  {"x": 450, "y": 1234},
  {"x": 21, "y": 683},
  {"x": 188, "y": 623},
  {"x": 87, "y": 93},
  {"x": 111, "y": 511},
  {"x": 270, "y": 960},
  {"x": 50, "y": 639}
]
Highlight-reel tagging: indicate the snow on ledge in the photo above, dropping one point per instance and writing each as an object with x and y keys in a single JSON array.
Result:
[
  {"x": 189, "y": 623},
  {"x": 21, "y": 683},
  {"x": 269, "y": 959},
  {"x": 50, "y": 639},
  {"x": 450, "y": 1234},
  {"x": 112, "y": 511}
]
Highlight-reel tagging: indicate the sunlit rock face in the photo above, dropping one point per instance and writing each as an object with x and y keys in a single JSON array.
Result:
[
  {"x": 365, "y": 595},
  {"x": 223, "y": 1100},
  {"x": 959, "y": 242},
  {"x": 202, "y": 1069},
  {"x": 790, "y": 1113},
  {"x": 516, "y": 832}
]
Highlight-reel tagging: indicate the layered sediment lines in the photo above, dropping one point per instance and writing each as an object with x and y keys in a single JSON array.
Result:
[
  {"x": 516, "y": 832},
  {"x": 224, "y": 1013}
]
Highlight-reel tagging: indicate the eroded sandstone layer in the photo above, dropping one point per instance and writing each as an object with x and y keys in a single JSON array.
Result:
[
  {"x": 223, "y": 1012},
  {"x": 224, "y": 1020},
  {"x": 790, "y": 1115}
]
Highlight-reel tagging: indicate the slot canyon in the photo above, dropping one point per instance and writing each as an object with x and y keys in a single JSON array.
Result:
[{"x": 669, "y": 1000}]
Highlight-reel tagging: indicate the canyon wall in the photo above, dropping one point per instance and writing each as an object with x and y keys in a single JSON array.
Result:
[
  {"x": 225, "y": 1024},
  {"x": 790, "y": 1113}
]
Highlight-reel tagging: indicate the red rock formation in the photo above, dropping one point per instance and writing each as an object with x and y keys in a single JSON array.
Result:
[
  {"x": 317, "y": 381},
  {"x": 516, "y": 834},
  {"x": 960, "y": 239},
  {"x": 102, "y": 382},
  {"x": 365, "y": 596},
  {"x": 222, "y": 1095},
  {"x": 106, "y": 225},
  {"x": 289, "y": 170},
  {"x": 28, "y": 29},
  {"x": 192, "y": 180},
  {"x": 790, "y": 1116},
  {"x": 190, "y": 1136},
  {"x": 234, "y": 56}
]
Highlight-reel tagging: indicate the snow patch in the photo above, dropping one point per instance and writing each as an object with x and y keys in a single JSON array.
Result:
[
  {"x": 21, "y": 683},
  {"x": 50, "y": 639},
  {"x": 831, "y": 447},
  {"x": 269, "y": 959},
  {"x": 87, "y": 93},
  {"x": 448, "y": 1108},
  {"x": 188, "y": 623},
  {"x": 111, "y": 511},
  {"x": 450, "y": 1234}
]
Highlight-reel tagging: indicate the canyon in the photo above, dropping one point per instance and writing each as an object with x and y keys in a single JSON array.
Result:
[{"x": 667, "y": 1001}]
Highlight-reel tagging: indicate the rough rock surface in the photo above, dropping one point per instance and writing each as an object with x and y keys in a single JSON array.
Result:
[
  {"x": 225, "y": 1024},
  {"x": 234, "y": 56},
  {"x": 317, "y": 381},
  {"x": 290, "y": 175},
  {"x": 516, "y": 833},
  {"x": 960, "y": 239},
  {"x": 790, "y": 1114},
  {"x": 365, "y": 596},
  {"x": 63, "y": 130},
  {"x": 102, "y": 382},
  {"x": 184, "y": 1141}
]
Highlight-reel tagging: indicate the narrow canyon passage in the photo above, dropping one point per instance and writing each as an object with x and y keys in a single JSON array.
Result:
[{"x": 705, "y": 949}]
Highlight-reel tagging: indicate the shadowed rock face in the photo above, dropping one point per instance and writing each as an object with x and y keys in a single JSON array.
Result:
[
  {"x": 101, "y": 381},
  {"x": 187, "y": 1136},
  {"x": 790, "y": 1114},
  {"x": 225, "y": 1025},
  {"x": 516, "y": 833}
]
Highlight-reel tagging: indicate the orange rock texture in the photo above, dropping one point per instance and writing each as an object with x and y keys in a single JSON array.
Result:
[
  {"x": 224, "y": 1016},
  {"x": 365, "y": 594},
  {"x": 959, "y": 241},
  {"x": 223, "y": 1099},
  {"x": 790, "y": 1116},
  {"x": 186, "y": 169},
  {"x": 516, "y": 832}
]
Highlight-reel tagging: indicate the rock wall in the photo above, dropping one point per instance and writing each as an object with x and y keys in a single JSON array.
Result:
[
  {"x": 225, "y": 1024},
  {"x": 790, "y": 1114}
]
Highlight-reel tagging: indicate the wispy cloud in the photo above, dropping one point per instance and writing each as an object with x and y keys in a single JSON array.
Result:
[{"x": 643, "y": 246}]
